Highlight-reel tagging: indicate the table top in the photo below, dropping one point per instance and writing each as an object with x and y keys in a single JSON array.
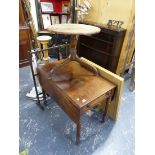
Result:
[
  {"x": 73, "y": 29},
  {"x": 78, "y": 83}
]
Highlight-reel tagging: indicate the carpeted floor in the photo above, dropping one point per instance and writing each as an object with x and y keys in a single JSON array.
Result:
[{"x": 51, "y": 132}]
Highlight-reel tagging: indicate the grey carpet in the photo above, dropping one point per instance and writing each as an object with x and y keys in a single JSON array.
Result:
[{"x": 51, "y": 132}]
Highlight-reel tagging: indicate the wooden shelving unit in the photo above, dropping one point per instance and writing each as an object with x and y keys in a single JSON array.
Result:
[{"x": 103, "y": 48}]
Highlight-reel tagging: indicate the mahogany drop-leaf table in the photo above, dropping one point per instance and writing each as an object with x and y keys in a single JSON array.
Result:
[{"x": 75, "y": 89}]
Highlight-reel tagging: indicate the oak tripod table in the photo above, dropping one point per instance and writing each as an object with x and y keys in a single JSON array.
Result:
[
  {"x": 74, "y": 30},
  {"x": 76, "y": 90}
]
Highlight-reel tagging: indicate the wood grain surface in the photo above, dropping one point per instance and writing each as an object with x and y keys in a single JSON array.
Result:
[
  {"x": 73, "y": 29},
  {"x": 78, "y": 83}
]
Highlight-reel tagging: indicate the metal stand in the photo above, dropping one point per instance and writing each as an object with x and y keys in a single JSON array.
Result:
[{"x": 35, "y": 83}]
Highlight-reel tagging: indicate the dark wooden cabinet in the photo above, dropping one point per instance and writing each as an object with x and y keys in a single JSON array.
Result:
[
  {"x": 103, "y": 48},
  {"x": 24, "y": 38},
  {"x": 24, "y": 45}
]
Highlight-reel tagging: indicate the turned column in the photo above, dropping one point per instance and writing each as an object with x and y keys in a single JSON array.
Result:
[
  {"x": 44, "y": 41},
  {"x": 73, "y": 44}
]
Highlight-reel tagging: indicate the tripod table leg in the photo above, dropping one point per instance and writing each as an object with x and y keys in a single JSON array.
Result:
[{"x": 67, "y": 60}]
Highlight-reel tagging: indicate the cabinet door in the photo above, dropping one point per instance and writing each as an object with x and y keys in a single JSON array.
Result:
[{"x": 24, "y": 47}]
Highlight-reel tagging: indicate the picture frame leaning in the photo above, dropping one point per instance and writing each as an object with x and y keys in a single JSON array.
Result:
[
  {"x": 47, "y": 7},
  {"x": 55, "y": 20},
  {"x": 46, "y": 20}
]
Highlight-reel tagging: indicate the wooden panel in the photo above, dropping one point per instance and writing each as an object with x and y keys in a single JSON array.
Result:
[
  {"x": 118, "y": 81},
  {"x": 24, "y": 38},
  {"x": 65, "y": 103}
]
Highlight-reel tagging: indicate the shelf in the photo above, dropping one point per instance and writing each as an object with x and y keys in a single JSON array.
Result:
[
  {"x": 56, "y": 13},
  {"x": 100, "y": 40},
  {"x": 100, "y": 51}
]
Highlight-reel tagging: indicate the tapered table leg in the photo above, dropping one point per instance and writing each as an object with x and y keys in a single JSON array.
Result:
[
  {"x": 78, "y": 128},
  {"x": 108, "y": 100}
]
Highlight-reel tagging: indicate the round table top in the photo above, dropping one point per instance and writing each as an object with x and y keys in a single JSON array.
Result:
[{"x": 73, "y": 29}]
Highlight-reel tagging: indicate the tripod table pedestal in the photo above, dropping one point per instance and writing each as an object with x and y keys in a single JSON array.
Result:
[{"x": 74, "y": 30}]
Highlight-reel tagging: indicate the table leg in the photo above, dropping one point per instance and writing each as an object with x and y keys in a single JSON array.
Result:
[
  {"x": 132, "y": 82},
  {"x": 78, "y": 128},
  {"x": 108, "y": 100},
  {"x": 44, "y": 97}
]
